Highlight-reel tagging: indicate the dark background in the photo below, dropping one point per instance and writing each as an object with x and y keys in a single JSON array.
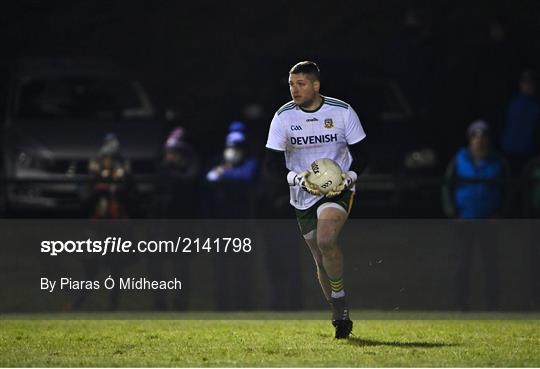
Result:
[{"x": 211, "y": 59}]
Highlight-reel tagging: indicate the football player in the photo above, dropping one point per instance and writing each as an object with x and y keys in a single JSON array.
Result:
[{"x": 310, "y": 127}]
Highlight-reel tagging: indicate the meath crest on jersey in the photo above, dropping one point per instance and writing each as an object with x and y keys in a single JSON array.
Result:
[{"x": 328, "y": 123}]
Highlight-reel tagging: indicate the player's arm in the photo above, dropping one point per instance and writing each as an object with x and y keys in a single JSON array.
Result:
[
  {"x": 275, "y": 167},
  {"x": 358, "y": 148},
  {"x": 274, "y": 164},
  {"x": 360, "y": 156},
  {"x": 356, "y": 138}
]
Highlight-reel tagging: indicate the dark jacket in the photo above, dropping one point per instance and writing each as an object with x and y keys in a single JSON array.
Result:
[{"x": 521, "y": 133}]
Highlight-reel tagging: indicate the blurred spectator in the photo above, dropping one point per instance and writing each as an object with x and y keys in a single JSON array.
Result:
[
  {"x": 175, "y": 195},
  {"x": 237, "y": 126},
  {"x": 521, "y": 135},
  {"x": 112, "y": 197},
  {"x": 469, "y": 195},
  {"x": 177, "y": 178},
  {"x": 237, "y": 165},
  {"x": 477, "y": 161},
  {"x": 230, "y": 192}
]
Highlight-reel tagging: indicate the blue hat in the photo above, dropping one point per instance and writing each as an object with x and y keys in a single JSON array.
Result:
[
  {"x": 235, "y": 139},
  {"x": 237, "y": 126}
]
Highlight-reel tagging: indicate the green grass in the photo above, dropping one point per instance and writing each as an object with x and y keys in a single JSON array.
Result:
[{"x": 35, "y": 340}]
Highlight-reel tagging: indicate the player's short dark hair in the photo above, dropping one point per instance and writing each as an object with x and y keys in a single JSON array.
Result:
[{"x": 308, "y": 68}]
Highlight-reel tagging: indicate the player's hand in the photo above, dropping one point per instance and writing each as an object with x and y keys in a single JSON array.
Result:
[
  {"x": 348, "y": 180},
  {"x": 299, "y": 179},
  {"x": 310, "y": 187}
]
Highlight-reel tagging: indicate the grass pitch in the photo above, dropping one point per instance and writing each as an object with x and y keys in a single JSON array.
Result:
[{"x": 160, "y": 341}]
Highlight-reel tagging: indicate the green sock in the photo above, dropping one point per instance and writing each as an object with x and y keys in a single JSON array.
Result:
[{"x": 337, "y": 288}]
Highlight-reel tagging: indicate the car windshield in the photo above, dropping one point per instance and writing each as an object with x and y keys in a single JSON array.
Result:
[{"x": 81, "y": 97}]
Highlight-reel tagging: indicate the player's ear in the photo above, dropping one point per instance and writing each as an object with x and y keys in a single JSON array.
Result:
[{"x": 317, "y": 86}]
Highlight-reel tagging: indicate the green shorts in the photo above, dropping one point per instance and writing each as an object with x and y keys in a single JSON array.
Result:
[{"x": 307, "y": 219}]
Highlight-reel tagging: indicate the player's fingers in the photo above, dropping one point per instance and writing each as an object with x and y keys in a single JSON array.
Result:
[
  {"x": 312, "y": 189},
  {"x": 336, "y": 191},
  {"x": 332, "y": 194}
]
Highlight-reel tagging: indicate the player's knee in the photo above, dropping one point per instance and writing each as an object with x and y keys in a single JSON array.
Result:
[{"x": 327, "y": 245}]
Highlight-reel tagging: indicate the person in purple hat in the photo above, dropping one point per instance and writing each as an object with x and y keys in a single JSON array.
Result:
[
  {"x": 175, "y": 197},
  {"x": 177, "y": 176}
]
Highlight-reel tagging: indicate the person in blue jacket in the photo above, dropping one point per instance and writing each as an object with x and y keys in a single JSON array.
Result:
[
  {"x": 475, "y": 189},
  {"x": 236, "y": 165},
  {"x": 471, "y": 197}
]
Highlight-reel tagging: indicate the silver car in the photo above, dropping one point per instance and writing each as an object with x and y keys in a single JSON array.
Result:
[{"x": 57, "y": 113}]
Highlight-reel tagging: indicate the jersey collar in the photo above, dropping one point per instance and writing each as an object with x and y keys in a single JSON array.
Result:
[{"x": 314, "y": 110}]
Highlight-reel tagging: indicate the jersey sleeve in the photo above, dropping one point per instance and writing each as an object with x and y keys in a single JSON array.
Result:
[
  {"x": 277, "y": 139},
  {"x": 354, "y": 132}
]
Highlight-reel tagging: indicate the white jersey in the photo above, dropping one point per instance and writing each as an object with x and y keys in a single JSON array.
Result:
[{"x": 307, "y": 136}]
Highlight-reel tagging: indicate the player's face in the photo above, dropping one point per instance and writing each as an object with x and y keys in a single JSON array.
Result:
[{"x": 303, "y": 90}]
